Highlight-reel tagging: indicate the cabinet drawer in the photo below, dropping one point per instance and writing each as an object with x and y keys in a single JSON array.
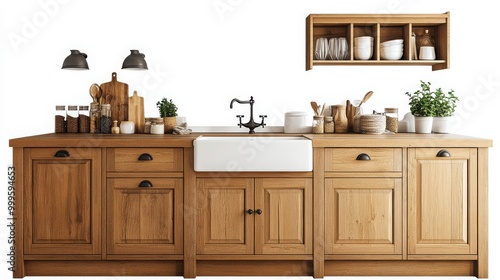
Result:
[
  {"x": 363, "y": 159},
  {"x": 144, "y": 159}
]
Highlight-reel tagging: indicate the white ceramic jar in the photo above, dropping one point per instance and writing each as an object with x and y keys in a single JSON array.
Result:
[
  {"x": 127, "y": 127},
  {"x": 297, "y": 122}
]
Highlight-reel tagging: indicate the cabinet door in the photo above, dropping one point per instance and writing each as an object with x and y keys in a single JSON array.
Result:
[
  {"x": 285, "y": 223},
  {"x": 144, "y": 216},
  {"x": 62, "y": 210},
  {"x": 224, "y": 223},
  {"x": 442, "y": 201},
  {"x": 363, "y": 216}
]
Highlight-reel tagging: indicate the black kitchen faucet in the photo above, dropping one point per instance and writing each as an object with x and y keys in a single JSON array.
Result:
[{"x": 250, "y": 124}]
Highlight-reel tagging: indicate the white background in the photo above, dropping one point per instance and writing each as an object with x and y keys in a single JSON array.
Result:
[{"x": 202, "y": 54}]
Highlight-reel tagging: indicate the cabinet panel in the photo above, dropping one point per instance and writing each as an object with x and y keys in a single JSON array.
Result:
[
  {"x": 381, "y": 159},
  {"x": 145, "y": 220},
  {"x": 285, "y": 225},
  {"x": 62, "y": 201},
  {"x": 363, "y": 216},
  {"x": 144, "y": 159},
  {"x": 224, "y": 226},
  {"x": 442, "y": 202}
]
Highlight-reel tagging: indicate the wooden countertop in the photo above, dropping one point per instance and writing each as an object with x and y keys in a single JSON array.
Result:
[{"x": 319, "y": 140}]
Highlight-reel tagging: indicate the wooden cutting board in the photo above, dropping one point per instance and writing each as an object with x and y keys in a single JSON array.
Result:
[
  {"x": 119, "y": 101},
  {"x": 136, "y": 111}
]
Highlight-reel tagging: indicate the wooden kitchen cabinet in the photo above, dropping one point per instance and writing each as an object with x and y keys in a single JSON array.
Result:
[
  {"x": 144, "y": 202},
  {"x": 62, "y": 210},
  {"x": 442, "y": 201},
  {"x": 382, "y": 27},
  {"x": 363, "y": 216},
  {"x": 363, "y": 202},
  {"x": 132, "y": 205},
  {"x": 254, "y": 216},
  {"x": 145, "y": 216}
]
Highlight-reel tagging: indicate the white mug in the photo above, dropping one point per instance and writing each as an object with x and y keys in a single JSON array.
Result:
[
  {"x": 427, "y": 53},
  {"x": 127, "y": 127}
]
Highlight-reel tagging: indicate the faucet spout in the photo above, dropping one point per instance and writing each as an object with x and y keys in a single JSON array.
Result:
[{"x": 251, "y": 101}]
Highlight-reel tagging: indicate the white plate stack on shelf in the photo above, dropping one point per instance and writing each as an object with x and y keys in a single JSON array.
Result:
[
  {"x": 363, "y": 47},
  {"x": 391, "y": 50},
  {"x": 372, "y": 124}
]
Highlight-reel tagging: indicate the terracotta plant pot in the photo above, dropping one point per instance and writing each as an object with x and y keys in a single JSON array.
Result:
[{"x": 170, "y": 123}]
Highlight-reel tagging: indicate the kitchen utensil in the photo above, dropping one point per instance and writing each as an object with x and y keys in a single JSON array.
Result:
[
  {"x": 94, "y": 91},
  {"x": 117, "y": 95},
  {"x": 315, "y": 108},
  {"x": 99, "y": 94},
  {"x": 136, "y": 111},
  {"x": 366, "y": 97},
  {"x": 322, "y": 109}
]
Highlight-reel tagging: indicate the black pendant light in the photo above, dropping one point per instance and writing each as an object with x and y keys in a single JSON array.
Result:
[
  {"x": 76, "y": 61},
  {"x": 135, "y": 60}
]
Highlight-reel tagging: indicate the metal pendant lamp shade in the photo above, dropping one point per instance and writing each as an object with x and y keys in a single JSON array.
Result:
[
  {"x": 76, "y": 61},
  {"x": 135, "y": 60}
]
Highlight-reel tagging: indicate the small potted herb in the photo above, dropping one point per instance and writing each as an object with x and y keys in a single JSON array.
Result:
[
  {"x": 444, "y": 107},
  {"x": 422, "y": 107},
  {"x": 168, "y": 111}
]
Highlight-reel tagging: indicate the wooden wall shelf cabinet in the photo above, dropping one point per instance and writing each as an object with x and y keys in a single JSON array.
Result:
[
  {"x": 132, "y": 205},
  {"x": 382, "y": 27}
]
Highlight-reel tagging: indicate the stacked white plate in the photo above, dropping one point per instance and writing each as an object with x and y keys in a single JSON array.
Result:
[
  {"x": 391, "y": 50},
  {"x": 331, "y": 49},
  {"x": 372, "y": 124}
]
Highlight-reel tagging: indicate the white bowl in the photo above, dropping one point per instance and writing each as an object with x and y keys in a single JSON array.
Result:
[
  {"x": 391, "y": 55},
  {"x": 363, "y": 53},
  {"x": 363, "y": 38},
  {"x": 392, "y": 42},
  {"x": 392, "y": 48}
]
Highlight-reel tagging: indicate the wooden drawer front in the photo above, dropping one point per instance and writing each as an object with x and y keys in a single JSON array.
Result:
[
  {"x": 144, "y": 159},
  {"x": 381, "y": 159}
]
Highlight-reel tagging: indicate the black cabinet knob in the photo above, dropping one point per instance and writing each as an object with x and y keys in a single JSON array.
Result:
[
  {"x": 250, "y": 211},
  {"x": 145, "y": 184},
  {"x": 62, "y": 153},
  {"x": 363, "y": 156},
  {"x": 443, "y": 153},
  {"x": 258, "y": 211},
  {"x": 145, "y": 157}
]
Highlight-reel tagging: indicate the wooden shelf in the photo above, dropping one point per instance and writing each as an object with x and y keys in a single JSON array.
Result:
[{"x": 382, "y": 27}]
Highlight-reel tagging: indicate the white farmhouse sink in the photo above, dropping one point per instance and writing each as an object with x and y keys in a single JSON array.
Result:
[{"x": 257, "y": 153}]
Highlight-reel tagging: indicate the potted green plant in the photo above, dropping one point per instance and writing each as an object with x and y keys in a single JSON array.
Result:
[
  {"x": 168, "y": 111},
  {"x": 444, "y": 107},
  {"x": 422, "y": 107}
]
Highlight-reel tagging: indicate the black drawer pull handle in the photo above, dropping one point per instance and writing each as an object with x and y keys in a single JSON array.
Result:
[
  {"x": 258, "y": 211},
  {"x": 62, "y": 153},
  {"x": 145, "y": 184},
  {"x": 145, "y": 157},
  {"x": 250, "y": 211},
  {"x": 363, "y": 156},
  {"x": 443, "y": 153}
]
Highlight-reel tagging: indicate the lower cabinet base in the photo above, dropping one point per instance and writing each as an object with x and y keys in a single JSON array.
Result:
[
  {"x": 254, "y": 268},
  {"x": 103, "y": 268},
  {"x": 251, "y": 268},
  {"x": 400, "y": 268}
]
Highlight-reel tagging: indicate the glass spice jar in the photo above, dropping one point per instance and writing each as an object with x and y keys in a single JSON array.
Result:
[
  {"x": 60, "y": 119},
  {"x": 391, "y": 119},
  {"x": 72, "y": 119},
  {"x": 83, "y": 119},
  {"x": 329, "y": 124},
  {"x": 318, "y": 124},
  {"x": 95, "y": 118},
  {"x": 106, "y": 118}
]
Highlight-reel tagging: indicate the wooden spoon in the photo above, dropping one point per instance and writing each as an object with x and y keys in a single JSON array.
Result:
[
  {"x": 366, "y": 97},
  {"x": 94, "y": 92},
  {"x": 314, "y": 106}
]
